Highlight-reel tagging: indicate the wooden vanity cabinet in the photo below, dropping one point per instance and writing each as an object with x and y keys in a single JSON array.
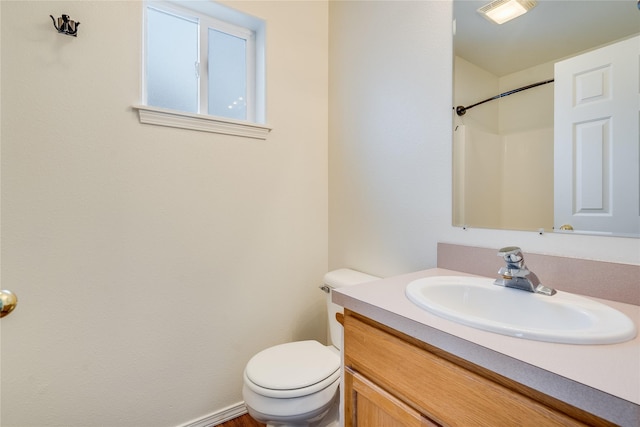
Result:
[{"x": 394, "y": 380}]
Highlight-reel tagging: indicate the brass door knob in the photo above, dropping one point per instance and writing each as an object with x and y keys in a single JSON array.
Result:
[
  {"x": 566, "y": 227},
  {"x": 8, "y": 302}
]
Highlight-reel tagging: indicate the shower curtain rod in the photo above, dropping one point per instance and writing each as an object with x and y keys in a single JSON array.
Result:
[{"x": 460, "y": 110}]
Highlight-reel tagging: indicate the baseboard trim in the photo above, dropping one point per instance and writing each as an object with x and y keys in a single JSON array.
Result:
[{"x": 219, "y": 417}]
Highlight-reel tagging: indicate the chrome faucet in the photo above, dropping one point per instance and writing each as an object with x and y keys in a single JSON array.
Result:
[{"x": 517, "y": 275}]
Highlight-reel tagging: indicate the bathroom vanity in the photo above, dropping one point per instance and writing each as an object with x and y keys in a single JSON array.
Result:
[{"x": 407, "y": 367}]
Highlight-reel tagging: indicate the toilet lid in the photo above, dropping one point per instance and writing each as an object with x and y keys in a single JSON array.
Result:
[{"x": 292, "y": 366}]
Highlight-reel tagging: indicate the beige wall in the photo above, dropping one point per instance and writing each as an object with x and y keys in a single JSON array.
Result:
[
  {"x": 527, "y": 180},
  {"x": 151, "y": 263},
  {"x": 509, "y": 149},
  {"x": 483, "y": 175},
  {"x": 526, "y": 121},
  {"x": 529, "y": 109},
  {"x": 473, "y": 84}
]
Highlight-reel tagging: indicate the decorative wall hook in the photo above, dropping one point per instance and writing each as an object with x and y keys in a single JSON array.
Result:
[{"x": 66, "y": 25}]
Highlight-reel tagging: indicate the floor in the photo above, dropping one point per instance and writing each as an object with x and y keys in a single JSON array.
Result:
[{"x": 242, "y": 421}]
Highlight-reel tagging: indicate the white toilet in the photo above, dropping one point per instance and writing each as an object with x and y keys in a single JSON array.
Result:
[{"x": 296, "y": 384}]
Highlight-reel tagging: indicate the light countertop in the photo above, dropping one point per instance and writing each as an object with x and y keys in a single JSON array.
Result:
[{"x": 601, "y": 379}]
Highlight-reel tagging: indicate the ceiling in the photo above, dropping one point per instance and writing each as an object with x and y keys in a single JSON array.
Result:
[{"x": 554, "y": 29}]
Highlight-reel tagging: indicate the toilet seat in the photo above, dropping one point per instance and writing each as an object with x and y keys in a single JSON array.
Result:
[{"x": 292, "y": 370}]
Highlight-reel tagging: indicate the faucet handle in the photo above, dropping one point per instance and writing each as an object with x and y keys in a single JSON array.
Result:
[
  {"x": 513, "y": 257},
  {"x": 509, "y": 250}
]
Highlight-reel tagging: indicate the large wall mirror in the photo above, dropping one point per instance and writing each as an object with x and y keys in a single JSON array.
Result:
[{"x": 561, "y": 156}]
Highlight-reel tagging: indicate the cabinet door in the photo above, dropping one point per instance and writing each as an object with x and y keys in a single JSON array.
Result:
[{"x": 369, "y": 405}]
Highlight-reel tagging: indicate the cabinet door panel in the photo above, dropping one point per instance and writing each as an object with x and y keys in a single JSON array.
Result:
[{"x": 375, "y": 407}]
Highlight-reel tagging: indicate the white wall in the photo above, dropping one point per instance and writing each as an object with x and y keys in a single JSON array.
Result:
[
  {"x": 390, "y": 133},
  {"x": 390, "y": 161},
  {"x": 151, "y": 263}
]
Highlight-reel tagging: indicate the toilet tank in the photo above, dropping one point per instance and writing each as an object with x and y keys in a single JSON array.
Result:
[{"x": 338, "y": 279}]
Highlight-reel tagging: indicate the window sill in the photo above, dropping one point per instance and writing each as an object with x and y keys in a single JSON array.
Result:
[{"x": 200, "y": 122}]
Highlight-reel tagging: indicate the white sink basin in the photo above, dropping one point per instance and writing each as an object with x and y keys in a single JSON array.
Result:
[{"x": 561, "y": 318}]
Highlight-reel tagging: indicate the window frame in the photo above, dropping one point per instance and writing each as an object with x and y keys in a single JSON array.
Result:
[{"x": 231, "y": 22}]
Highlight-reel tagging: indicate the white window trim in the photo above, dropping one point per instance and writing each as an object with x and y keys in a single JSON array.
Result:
[{"x": 200, "y": 122}]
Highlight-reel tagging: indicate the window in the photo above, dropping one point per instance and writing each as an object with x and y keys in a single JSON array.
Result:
[
  {"x": 200, "y": 62},
  {"x": 172, "y": 61}
]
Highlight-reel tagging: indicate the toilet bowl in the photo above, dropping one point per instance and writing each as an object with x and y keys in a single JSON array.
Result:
[{"x": 297, "y": 383}]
